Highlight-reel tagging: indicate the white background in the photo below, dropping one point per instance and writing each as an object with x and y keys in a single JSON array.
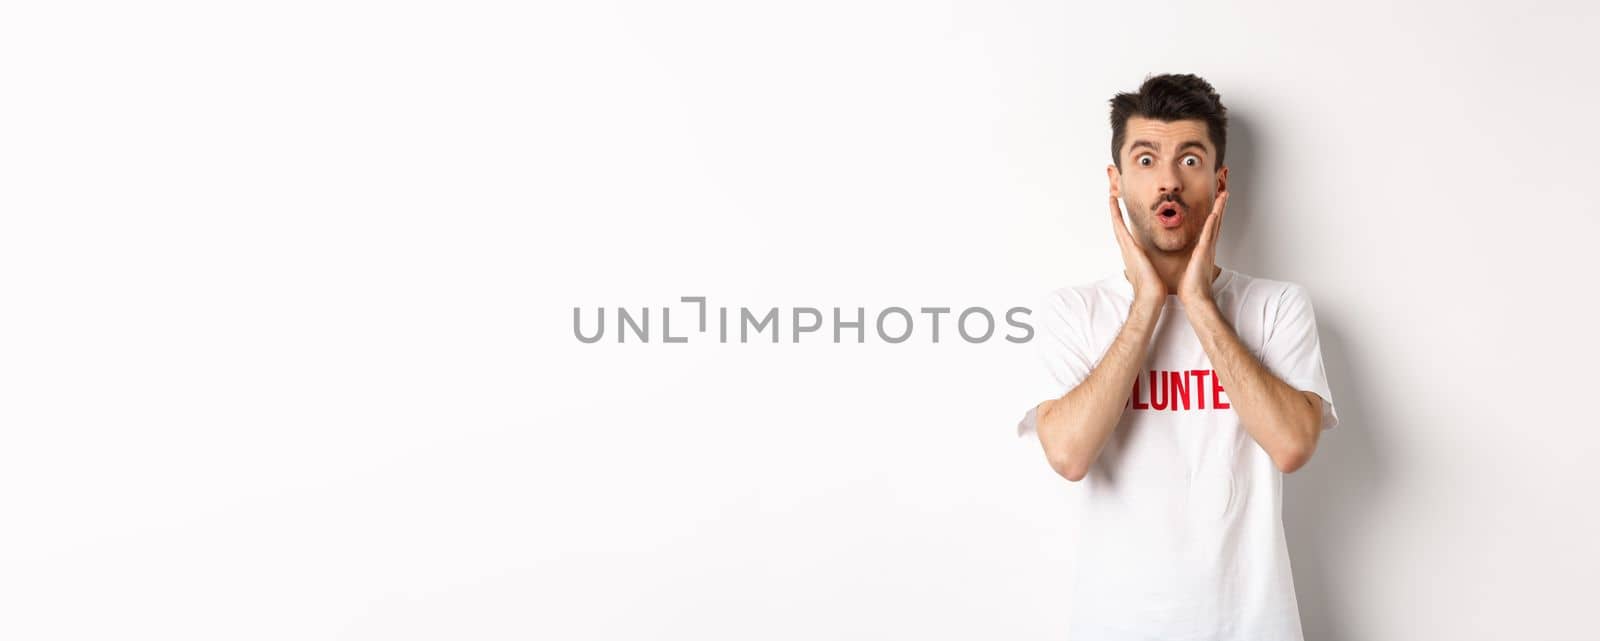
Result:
[{"x": 286, "y": 295}]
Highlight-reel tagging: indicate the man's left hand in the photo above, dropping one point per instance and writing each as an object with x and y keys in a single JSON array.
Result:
[{"x": 1196, "y": 284}]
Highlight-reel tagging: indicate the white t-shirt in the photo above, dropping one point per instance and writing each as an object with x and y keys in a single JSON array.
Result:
[{"x": 1182, "y": 523}]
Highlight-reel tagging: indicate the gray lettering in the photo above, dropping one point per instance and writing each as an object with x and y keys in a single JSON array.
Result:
[
  {"x": 1022, "y": 325},
  {"x": 702, "y": 301},
  {"x": 599, "y": 331},
  {"x": 747, "y": 318},
  {"x": 641, "y": 330},
  {"x": 800, "y": 329},
  {"x": 885, "y": 313},
  {"x": 666, "y": 328},
  {"x": 988, "y": 319},
  {"x": 860, "y": 325},
  {"x": 935, "y": 312}
]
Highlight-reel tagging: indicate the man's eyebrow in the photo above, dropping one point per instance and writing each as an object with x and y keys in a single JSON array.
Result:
[{"x": 1184, "y": 145}]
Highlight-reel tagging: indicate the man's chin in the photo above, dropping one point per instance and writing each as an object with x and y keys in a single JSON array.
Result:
[
  {"x": 1167, "y": 242},
  {"x": 1172, "y": 246}
]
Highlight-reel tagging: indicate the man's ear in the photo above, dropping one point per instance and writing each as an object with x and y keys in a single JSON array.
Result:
[
  {"x": 1116, "y": 180},
  {"x": 1222, "y": 178}
]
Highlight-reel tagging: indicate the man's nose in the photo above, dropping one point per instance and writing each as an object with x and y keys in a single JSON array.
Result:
[{"x": 1168, "y": 181}]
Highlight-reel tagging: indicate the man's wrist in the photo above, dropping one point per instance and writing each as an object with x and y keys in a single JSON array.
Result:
[
  {"x": 1149, "y": 304},
  {"x": 1197, "y": 300},
  {"x": 1201, "y": 312},
  {"x": 1144, "y": 313}
]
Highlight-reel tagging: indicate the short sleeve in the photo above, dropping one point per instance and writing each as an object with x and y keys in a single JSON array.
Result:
[
  {"x": 1293, "y": 351},
  {"x": 1063, "y": 357}
]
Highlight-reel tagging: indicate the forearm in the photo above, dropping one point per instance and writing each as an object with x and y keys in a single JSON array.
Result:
[
  {"x": 1281, "y": 419},
  {"x": 1074, "y": 428}
]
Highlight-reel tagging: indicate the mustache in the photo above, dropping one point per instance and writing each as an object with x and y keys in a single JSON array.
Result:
[{"x": 1160, "y": 200}]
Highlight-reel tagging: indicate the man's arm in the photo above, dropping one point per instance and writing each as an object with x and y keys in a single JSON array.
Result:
[
  {"x": 1286, "y": 422},
  {"x": 1074, "y": 428}
]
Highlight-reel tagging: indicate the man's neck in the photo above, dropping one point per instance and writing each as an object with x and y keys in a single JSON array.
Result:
[{"x": 1171, "y": 267}]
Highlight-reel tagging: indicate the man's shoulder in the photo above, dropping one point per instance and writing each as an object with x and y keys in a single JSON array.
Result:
[
  {"x": 1085, "y": 303},
  {"x": 1268, "y": 288},
  {"x": 1085, "y": 292},
  {"x": 1269, "y": 296}
]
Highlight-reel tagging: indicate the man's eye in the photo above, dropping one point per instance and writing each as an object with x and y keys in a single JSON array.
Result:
[
  {"x": 1142, "y": 160},
  {"x": 1196, "y": 160}
]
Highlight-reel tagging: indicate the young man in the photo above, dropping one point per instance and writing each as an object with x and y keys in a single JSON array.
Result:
[{"x": 1179, "y": 393}]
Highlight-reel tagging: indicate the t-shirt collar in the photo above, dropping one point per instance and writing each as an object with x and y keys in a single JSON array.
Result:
[{"x": 1121, "y": 285}]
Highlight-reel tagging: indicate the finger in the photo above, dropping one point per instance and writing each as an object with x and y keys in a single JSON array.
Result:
[
  {"x": 1123, "y": 235},
  {"x": 1117, "y": 226},
  {"x": 1222, "y": 210},
  {"x": 1216, "y": 228},
  {"x": 1202, "y": 247},
  {"x": 1208, "y": 236}
]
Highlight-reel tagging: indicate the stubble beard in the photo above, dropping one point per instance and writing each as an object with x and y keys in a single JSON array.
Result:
[{"x": 1153, "y": 236}]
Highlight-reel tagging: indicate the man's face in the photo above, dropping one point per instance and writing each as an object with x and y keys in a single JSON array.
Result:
[{"x": 1162, "y": 163}]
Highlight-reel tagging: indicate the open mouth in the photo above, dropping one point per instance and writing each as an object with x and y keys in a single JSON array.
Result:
[{"x": 1170, "y": 214}]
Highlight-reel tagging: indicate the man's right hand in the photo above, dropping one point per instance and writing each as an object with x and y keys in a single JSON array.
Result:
[
  {"x": 1074, "y": 428},
  {"x": 1147, "y": 286}
]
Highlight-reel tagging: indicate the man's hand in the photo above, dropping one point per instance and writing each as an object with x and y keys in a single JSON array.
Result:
[
  {"x": 1148, "y": 289},
  {"x": 1286, "y": 422},
  {"x": 1195, "y": 286}
]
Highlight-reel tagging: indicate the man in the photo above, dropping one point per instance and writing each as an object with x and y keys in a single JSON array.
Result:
[{"x": 1179, "y": 393}]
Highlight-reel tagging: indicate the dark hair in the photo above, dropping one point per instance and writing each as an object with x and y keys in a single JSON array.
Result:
[{"x": 1170, "y": 97}]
